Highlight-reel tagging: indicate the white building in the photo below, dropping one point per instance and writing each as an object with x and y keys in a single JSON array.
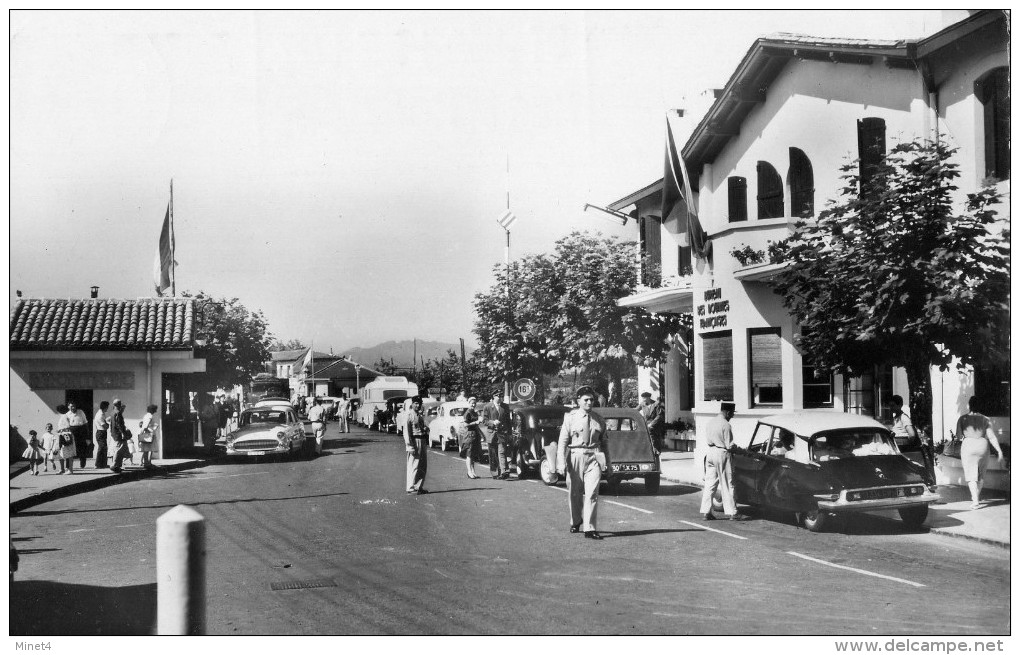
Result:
[{"x": 768, "y": 150}]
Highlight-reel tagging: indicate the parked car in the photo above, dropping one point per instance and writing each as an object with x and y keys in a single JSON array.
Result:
[
  {"x": 389, "y": 418},
  {"x": 632, "y": 452},
  {"x": 428, "y": 406},
  {"x": 447, "y": 427},
  {"x": 533, "y": 428},
  {"x": 267, "y": 430},
  {"x": 820, "y": 464}
]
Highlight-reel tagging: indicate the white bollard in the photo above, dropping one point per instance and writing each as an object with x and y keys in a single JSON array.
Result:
[{"x": 180, "y": 572}]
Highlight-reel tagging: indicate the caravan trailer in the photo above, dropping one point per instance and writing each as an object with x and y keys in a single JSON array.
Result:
[{"x": 375, "y": 394}]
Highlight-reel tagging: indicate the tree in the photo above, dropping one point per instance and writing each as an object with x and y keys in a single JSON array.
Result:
[
  {"x": 292, "y": 344},
  {"x": 898, "y": 275},
  {"x": 237, "y": 340}
]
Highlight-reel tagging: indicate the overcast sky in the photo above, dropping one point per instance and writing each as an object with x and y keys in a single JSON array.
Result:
[{"x": 343, "y": 172}]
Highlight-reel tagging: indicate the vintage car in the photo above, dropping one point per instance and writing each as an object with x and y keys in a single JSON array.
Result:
[
  {"x": 389, "y": 419},
  {"x": 533, "y": 428},
  {"x": 632, "y": 452},
  {"x": 447, "y": 427},
  {"x": 822, "y": 463},
  {"x": 268, "y": 430}
]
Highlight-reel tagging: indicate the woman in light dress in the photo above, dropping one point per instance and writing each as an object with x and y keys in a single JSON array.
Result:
[
  {"x": 976, "y": 431},
  {"x": 147, "y": 434}
]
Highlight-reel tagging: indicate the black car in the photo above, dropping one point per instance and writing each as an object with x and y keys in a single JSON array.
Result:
[
  {"x": 533, "y": 428},
  {"x": 820, "y": 464},
  {"x": 632, "y": 452}
]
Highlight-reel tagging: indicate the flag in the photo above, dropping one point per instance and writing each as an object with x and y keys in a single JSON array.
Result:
[
  {"x": 161, "y": 273},
  {"x": 676, "y": 195},
  {"x": 506, "y": 219}
]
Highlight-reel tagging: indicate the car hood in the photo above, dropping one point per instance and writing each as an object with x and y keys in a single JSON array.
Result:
[
  {"x": 256, "y": 429},
  {"x": 873, "y": 471}
]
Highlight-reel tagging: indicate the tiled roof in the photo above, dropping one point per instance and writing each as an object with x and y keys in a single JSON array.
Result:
[
  {"x": 143, "y": 324},
  {"x": 287, "y": 355}
]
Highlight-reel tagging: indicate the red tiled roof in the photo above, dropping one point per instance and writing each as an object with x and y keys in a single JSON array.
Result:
[{"x": 143, "y": 324}]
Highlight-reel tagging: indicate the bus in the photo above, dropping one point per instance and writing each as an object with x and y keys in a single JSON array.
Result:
[
  {"x": 265, "y": 385},
  {"x": 375, "y": 394}
]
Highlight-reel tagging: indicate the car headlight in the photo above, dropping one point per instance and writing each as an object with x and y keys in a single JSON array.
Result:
[
  {"x": 280, "y": 435},
  {"x": 827, "y": 496}
]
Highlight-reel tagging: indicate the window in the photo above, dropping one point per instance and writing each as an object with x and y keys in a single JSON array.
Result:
[
  {"x": 770, "y": 191},
  {"x": 651, "y": 250},
  {"x": 802, "y": 184},
  {"x": 870, "y": 149},
  {"x": 766, "y": 371},
  {"x": 737, "y": 199},
  {"x": 992, "y": 91},
  {"x": 869, "y": 394},
  {"x": 718, "y": 353},
  {"x": 817, "y": 386},
  {"x": 991, "y": 387},
  {"x": 683, "y": 261}
]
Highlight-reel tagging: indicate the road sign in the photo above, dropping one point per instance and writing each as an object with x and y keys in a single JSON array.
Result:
[{"x": 524, "y": 389}]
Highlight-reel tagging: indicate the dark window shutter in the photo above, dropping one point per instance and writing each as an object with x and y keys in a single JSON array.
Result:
[
  {"x": 870, "y": 148},
  {"x": 651, "y": 251},
  {"x": 766, "y": 363},
  {"x": 737, "y": 199},
  {"x": 683, "y": 261},
  {"x": 992, "y": 91},
  {"x": 718, "y": 355},
  {"x": 802, "y": 184},
  {"x": 770, "y": 191}
]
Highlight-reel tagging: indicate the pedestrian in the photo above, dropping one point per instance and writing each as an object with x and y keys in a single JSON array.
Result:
[
  {"x": 902, "y": 427},
  {"x": 101, "y": 424},
  {"x": 34, "y": 453},
  {"x": 50, "y": 446},
  {"x": 209, "y": 419},
  {"x": 583, "y": 434},
  {"x": 718, "y": 467},
  {"x": 317, "y": 415},
  {"x": 342, "y": 408},
  {"x": 495, "y": 417},
  {"x": 416, "y": 435},
  {"x": 120, "y": 435},
  {"x": 977, "y": 433},
  {"x": 147, "y": 434},
  {"x": 222, "y": 413},
  {"x": 655, "y": 418},
  {"x": 65, "y": 440},
  {"x": 471, "y": 443},
  {"x": 79, "y": 425}
]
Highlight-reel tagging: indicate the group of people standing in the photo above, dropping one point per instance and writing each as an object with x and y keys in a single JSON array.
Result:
[{"x": 71, "y": 440}]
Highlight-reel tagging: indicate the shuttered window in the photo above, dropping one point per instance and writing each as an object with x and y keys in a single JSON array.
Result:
[
  {"x": 870, "y": 149},
  {"x": 817, "y": 386},
  {"x": 802, "y": 184},
  {"x": 766, "y": 370},
  {"x": 737, "y": 199},
  {"x": 992, "y": 91},
  {"x": 651, "y": 250},
  {"x": 683, "y": 261},
  {"x": 718, "y": 355},
  {"x": 770, "y": 191}
]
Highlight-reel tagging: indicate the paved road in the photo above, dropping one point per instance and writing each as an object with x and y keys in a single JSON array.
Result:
[{"x": 333, "y": 545}]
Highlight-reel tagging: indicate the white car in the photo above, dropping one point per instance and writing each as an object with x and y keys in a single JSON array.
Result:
[
  {"x": 268, "y": 430},
  {"x": 447, "y": 426}
]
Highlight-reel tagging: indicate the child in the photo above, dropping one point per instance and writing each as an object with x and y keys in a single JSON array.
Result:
[
  {"x": 34, "y": 454},
  {"x": 49, "y": 446}
]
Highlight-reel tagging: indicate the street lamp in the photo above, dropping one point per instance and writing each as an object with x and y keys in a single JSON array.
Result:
[{"x": 357, "y": 379}]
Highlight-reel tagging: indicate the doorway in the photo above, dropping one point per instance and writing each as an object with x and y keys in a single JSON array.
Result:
[{"x": 82, "y": 399}]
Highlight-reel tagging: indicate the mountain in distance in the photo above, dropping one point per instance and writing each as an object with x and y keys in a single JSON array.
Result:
[{"x": 402, "y": 352}]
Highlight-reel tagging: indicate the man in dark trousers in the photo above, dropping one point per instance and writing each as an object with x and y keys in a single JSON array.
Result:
[
  {"x": 416, "y": 441},
  {"x": 581, "y": 458},
  {"x": 120, "y": 435},
  {"x": 101, "y": 424},
  {"x": 655, "y": 417},
  {"x": 496, "y": 424}
]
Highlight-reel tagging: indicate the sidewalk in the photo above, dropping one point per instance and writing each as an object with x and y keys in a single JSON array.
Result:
[
  {"x": 951, "y": 517},
  {"x": 27, "y": 490}
]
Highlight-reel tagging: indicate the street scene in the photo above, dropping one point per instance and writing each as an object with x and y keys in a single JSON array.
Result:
[{"x": 536, "y": 324}]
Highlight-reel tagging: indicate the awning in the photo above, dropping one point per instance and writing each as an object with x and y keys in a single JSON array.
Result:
[
  {"x": 664, "y": 300},
  {"x": 759, "y": 272}
]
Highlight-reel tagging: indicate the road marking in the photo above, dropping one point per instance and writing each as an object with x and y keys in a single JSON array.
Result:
[
  {"x": 705, "y": 527},
  {"x": 588, "y": 576},
  {"x": 82, "y": 530},
  {"x": 850, "y": 568},
  {"x": 449, "y": 577},
  {"x": 235, "y": 475}
]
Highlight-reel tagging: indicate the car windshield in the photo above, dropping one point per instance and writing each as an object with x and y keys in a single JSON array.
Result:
[
  {"x": 264, "y": 416},
  {"x": 619, "y": 424},
  {"x": 852, "y": 443},
  {"x": 458, "y": 411}
]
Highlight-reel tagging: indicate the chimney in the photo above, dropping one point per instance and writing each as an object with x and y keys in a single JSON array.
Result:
[
  {"x": 95, "y": 292},
  {"x": 18, "y": 292}
]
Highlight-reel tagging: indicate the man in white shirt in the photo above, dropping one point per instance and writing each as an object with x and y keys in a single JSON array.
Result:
[
  {"x": 316, "y": 416},
  {"x": 79, "y": 424},
  {"x": 718, "y": 468},
  {"x": 101, "y": 424}
]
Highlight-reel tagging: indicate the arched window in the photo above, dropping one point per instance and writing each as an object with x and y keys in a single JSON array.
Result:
[
  {"x": 770, "y": 191},
  {"x": 992, "y": 90},
  {"x": 802, "y": 184},
  {"x": 737, "y": 198},
  {"x": 870, "y": 148}
]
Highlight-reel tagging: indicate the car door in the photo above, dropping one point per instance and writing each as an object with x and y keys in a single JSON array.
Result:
[{"x": 749, "y": 464}]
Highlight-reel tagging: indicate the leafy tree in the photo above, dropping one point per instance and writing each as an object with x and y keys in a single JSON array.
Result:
[
  {"x": 237, "y": 340},
  {"x": 898, "y": 275},
  {"x": 292, "y": 344}
]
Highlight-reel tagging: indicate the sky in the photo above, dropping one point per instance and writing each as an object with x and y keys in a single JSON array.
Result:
[{"x": 342, "y": 172}]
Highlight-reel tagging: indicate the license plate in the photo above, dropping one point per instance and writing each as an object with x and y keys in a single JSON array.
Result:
[
  {"x": 254, "y": 452},
  {"x": 628, "y": 467}
]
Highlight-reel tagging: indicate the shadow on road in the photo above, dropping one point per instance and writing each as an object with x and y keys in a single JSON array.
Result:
[
  {"x": 641, "y": 533},
  {"x": 638, "y": 489},
  {"x": 231, "y": 501},
  {"x": 43, "y": 607}
]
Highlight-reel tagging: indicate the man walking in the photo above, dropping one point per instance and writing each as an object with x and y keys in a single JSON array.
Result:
[
  {"x": 581, "y": 457},
  {"x": 316, "y": 414},
  {"x": 79, "y": 424},
  {"x": 120, "y": 434},
  {"x": 343, "y": 407},
  {"x": 417, "y": 446},
  {"x": 718, "y": 468},
  {"x": 655, "y": 417},
  {"x": 496, "y": 420},
  {"x": 102, "y": 427}
]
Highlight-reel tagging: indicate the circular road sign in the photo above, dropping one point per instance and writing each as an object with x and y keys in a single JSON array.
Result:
[{"x": 524, "y": 389}]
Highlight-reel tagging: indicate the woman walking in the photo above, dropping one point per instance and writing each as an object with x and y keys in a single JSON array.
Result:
[
  {"x": 976, "y": 431},
  {"x": 147, "y": 435},
  {"x": 471, "y": 445}
]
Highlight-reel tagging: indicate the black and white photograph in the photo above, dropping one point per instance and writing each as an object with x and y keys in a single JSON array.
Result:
[{"x": 686, "y": 326}]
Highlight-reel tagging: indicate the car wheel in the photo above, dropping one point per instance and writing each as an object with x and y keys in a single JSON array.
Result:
[
  {"x": 914, "y": 516},
  {"x": 652, "y": 483},
  {"x": 549, "y": 476},
  {"x": 815, "y": 520}
]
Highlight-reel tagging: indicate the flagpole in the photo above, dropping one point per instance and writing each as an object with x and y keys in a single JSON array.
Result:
[
  {"x": 173, "y": 245},
  {"x": 509, "y": 305}
]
